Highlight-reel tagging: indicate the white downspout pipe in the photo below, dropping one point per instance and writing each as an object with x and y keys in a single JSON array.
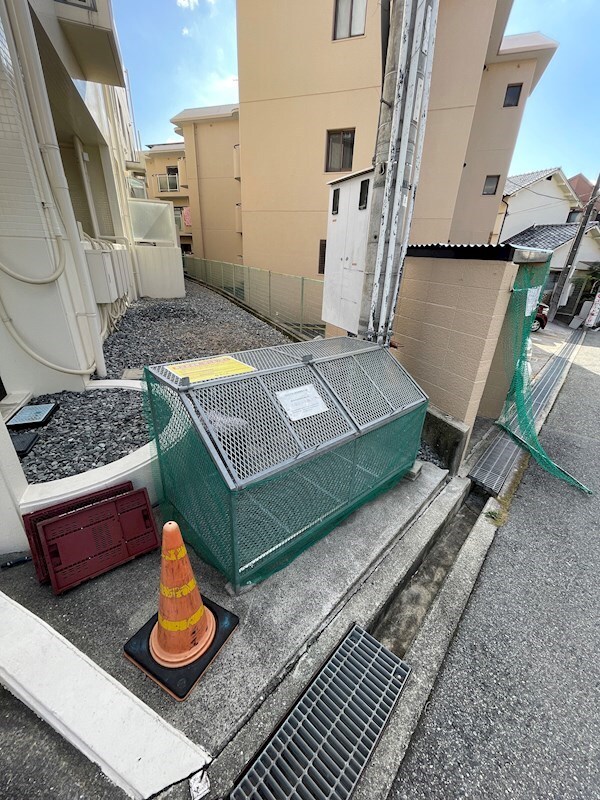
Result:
[
  {"x": 87, "y": 186},
  {"x": 122, "y": 193},
  {"x": 22, "y": 28}
]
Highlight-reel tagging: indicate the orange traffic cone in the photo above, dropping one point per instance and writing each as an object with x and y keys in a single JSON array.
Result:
[
  {"x": 186, "y": 627},
  {"x": 177, "y": 645}
]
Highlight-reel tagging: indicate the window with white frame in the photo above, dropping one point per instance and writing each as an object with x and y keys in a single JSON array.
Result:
[
  {"x": 349, "y": 18},
  {"x": 178, "y": 211},
  {"x": 170, "y": 181}
]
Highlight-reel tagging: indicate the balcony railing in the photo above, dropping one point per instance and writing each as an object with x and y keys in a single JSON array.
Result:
[{"x": 292, "y": 302}]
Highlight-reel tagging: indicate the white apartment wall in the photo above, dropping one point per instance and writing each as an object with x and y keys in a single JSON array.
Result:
[
  {"x": 46, "y": 13},
  {"x": 12, "y": 486},
  {"x": 542, "y": 203},
  {"x": 45, "y": 316}
]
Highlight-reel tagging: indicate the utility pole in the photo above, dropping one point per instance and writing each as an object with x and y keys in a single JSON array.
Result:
[
  {"x": 404, "y": 101},
  {"x": 566, "y": 270}
]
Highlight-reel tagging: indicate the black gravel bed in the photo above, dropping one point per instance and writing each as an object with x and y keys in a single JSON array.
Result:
[
  {"x": 427, "y": 453},
  {"x": 200, "y": 324},
  {"x": 88, "y": 430}
]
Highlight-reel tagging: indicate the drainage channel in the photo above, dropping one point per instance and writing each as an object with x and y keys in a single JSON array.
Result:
[
  {"x": 319, "y": 750},
  {"x": 492, "y": 469},
  {"x": 401, "y": 619}
]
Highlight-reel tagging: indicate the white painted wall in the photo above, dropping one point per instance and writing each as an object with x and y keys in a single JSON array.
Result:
[
  {"x": 12, "y": 487},
  {"x": 345, "y": 255},
  {"x": 45, "y": 316},
  {"x": 542, "y": 203},
  {"x": 589, "y": 250},
  {"x": 161, "y": 271}
]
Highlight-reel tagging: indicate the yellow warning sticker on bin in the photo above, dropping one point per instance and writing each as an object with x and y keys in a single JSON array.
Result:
[{"x": 208, "y": 369}]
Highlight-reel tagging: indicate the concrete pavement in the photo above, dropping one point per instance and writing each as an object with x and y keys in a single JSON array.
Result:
[{"x": 515, "y": 711}]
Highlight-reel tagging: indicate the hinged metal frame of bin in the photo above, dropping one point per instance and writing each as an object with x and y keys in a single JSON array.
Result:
[{"x": 252, "y": 441}]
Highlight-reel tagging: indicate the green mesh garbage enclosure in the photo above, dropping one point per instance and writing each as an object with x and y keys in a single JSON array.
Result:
[{"x": 263, "y": 452}]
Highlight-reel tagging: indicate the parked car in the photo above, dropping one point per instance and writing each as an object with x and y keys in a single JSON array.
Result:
[{"x": 541, "y": 318}]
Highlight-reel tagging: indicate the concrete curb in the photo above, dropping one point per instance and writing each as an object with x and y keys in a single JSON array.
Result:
[
  {"x": 135, "y": 747},
  {"x": 139, "y": 466},
  {"x": 363, "y": 607},
  {"x": 426, "y": 656}
]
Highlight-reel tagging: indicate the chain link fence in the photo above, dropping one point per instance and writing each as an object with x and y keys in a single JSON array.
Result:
[{"x": 290, "y": 301}]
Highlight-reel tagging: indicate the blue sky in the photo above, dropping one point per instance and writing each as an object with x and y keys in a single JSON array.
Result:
[
  {"x": 179, "y": 54},
  {"x": 182, "y": 53}
]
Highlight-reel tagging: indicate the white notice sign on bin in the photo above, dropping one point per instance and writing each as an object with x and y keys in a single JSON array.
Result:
[{"x": 302, "y": 402}]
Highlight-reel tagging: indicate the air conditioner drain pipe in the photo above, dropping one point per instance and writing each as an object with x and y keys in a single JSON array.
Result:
[{"x": 7, "y": 321}]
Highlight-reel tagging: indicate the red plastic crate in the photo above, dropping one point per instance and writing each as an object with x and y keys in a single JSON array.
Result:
[
  {"x": 30, "y": 521},
  {"x": 90, "y": 541}
]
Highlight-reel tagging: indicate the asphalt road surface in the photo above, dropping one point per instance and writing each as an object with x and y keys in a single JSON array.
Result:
[{"x": 515, "y": 712}]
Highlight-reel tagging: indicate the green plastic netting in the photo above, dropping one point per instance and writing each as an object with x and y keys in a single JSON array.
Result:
[{"x": 517, "y": 417}]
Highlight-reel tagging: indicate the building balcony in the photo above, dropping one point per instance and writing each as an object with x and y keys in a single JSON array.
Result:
[{"x": 89, "y": 28}]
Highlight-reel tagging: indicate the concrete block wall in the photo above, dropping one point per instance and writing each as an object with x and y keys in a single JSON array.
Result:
[{"x": 449, "y": 317}]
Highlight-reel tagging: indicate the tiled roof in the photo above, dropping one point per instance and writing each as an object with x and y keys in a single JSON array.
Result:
[
  {"x": 516, "y": 182},
  {"x": 547, "y": 237}
]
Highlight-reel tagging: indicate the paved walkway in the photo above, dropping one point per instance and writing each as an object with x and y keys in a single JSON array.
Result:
[{"x": 515, "y": 712}]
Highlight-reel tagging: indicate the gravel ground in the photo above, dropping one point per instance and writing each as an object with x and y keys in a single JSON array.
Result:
[
  {"x": 93, "y": 428},
  {"x": 88, "y": 430},
  {"x": 427, "y": 453},
  {"x": 201, "y": 324}
]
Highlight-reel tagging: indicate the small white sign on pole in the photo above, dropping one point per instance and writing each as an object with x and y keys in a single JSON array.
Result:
[
  {"x": 592, "y": 317},
  {"x": 533, "y": 297}
]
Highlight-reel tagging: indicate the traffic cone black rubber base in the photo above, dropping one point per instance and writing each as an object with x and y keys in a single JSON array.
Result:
[{"x": 179, "y": 681}]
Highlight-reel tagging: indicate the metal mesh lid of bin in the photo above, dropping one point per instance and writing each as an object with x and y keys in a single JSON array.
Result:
[
  {"x": 265, "y": 358},
  {"x": 257, "y": 415}
]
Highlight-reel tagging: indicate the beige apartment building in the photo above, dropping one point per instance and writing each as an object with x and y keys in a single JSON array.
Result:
[
  {"x": 166, "y": 180},
  {"x": 212, "y": 176},
  {"x": 308, "y": 113}
]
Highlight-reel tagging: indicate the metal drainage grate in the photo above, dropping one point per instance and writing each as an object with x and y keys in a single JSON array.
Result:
[{"x": 323, "y": 745}]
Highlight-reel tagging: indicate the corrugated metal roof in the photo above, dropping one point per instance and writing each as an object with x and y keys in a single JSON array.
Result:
[
  {"x": 516, "y": 182},
  {"x": 351, "y": 175},
  {"x": 548, "y": 237}
]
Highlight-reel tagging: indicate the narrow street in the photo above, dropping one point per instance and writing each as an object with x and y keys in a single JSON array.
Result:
[{"x": 515, "y": 712}]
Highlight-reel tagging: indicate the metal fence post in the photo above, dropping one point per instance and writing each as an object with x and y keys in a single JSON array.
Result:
[
  {"x": 222, "y": 277},
  {"x": 301, "y": 304},
  {"x": 270, "y": 313}
]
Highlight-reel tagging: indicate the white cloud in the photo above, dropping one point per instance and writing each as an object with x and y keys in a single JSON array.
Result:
[
  {"x": 211, "y": 2},
  {"x": 185, "y": 32},
  {"x": 191, "y": 4}
]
